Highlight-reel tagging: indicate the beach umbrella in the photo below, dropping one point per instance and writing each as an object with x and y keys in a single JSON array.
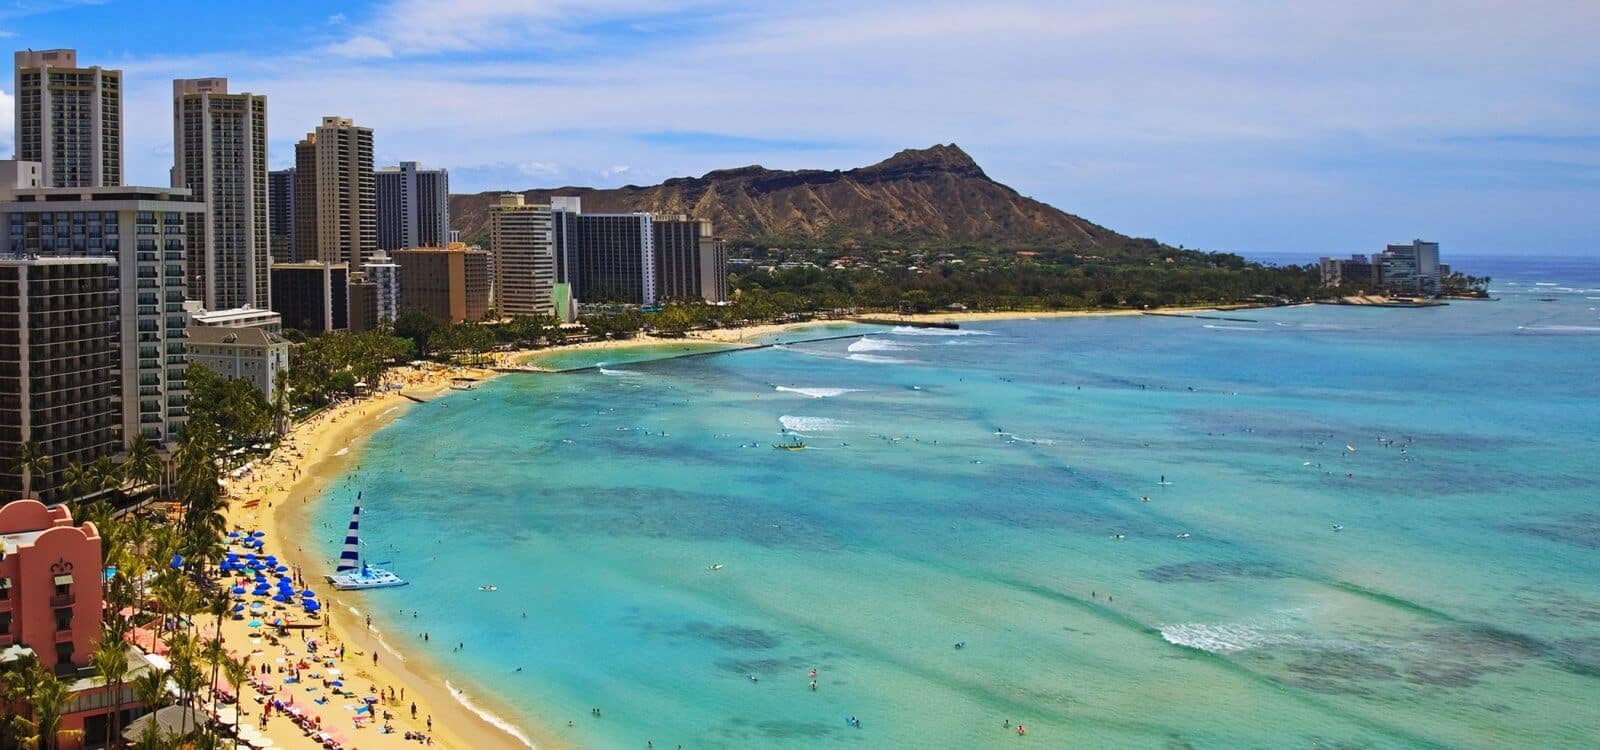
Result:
[
  {"x": 177, "y": 562},
  {"x": 254, "y": 623},
  {"x": 237, "y": 589},
  {"x": 308, "y": 593},
  {"x": 312, "y": 605},
  {"x": 234, "y": 534},
  {"x": 258, "y": 534},
  {"x": 282, "y": 568}
]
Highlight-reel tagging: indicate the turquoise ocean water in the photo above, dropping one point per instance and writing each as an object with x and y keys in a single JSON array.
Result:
[{"x": 1378, "y": 528}]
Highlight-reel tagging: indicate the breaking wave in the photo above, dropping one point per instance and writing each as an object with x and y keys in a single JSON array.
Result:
[
  {"x": 817, "y": 392},
  {"x": 486, "y": 715},
  {"x": 877, "y": 360},
  {"x": 799, "y": 424},
  {"x": 912, "y": 331},
  {"x": 870, "y": 344}
]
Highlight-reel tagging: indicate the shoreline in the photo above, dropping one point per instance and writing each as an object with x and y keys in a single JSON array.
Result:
[
  {"x": 328, "y": 445},
  {"x": 322, "y": 449}
]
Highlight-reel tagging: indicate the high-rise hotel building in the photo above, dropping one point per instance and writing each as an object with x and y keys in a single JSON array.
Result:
[
  {"x": 220, "y": 154},
  {"x": 334, "y": 194},
  {"x": 524, "y": 257},
  {"x": 413, "y": 207},
  {"x": 68, "y": 119},
  {"x": 58, "y": 365},
  {"x": 141, "y": 233}
]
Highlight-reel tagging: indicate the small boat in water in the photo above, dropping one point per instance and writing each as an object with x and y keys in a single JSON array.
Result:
[
  {"x": 793, "y": 443},
  {"x": 353, "y": 574}
]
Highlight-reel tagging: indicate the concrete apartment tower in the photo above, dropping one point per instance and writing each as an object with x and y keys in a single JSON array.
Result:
[
  {"x": 335, "y": 198},
  {"x": 413, "y": 207},
  {"x": 68, "y": 119},
  {"x": 524, "y": 257},
  {"x": 220, "y": 153}
]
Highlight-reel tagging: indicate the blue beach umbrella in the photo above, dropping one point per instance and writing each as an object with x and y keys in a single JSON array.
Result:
[
  {"x": 237, "y": 589},
  {"x": 177, "y": 562},
  {"x": 238, "y": 607},
  {"x": 234, "y": 534},
  {"x": 308, "y": 594},
  {"x": 258, "y": 534},
  {"x": 282, "y": 568},
  {"x": 312, "y": 605}
]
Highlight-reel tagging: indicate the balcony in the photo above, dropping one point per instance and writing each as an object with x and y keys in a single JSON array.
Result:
[
  {"x": 64, "y": 635},
  {"x": 63, "y": 600}
]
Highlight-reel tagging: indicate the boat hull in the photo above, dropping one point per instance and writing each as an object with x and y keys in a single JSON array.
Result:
[{"x": 371, "y": 578}]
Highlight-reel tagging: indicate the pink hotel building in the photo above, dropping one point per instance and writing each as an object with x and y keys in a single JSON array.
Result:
[{"x": 50, "y": 604}]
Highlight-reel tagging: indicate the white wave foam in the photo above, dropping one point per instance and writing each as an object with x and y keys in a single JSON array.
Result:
[
  {"x": 1558, "y": 329},
  {"x": 1277, "y": 629},
  {"x": 1544, "y": 283},
  {"x": 817, "y": 392},
  {"x": 615, "y": 373},
  {"x": 870, "y": 344},
  {"x": 911, "y": 331},
  {"x": 342, "y": 451},
  {"x": 800, "y": 424},
  {"x": 877, "y": 360},
  {"x": 488, "y": 716},
  {"x": 1216, "y": 327}
]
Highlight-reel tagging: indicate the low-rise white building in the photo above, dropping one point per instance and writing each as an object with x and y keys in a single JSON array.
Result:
[{"x": 253, "y": 354}]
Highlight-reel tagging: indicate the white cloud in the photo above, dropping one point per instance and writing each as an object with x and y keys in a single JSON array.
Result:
[{"x": 1234, "y": 106}]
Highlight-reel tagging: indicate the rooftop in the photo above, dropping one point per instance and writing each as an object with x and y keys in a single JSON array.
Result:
[{"x": 217, "y": 335}]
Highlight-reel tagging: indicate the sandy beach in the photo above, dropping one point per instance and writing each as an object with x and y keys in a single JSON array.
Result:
[{"x": 275, "y": 497}]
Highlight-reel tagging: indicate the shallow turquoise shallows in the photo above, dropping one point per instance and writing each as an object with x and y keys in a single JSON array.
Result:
[{"x": 1311, "y": 527}]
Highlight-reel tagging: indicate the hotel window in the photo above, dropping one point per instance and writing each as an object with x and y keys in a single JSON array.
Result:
[
  {"x": 64, "y": 618},
  {"x": 63, "y": 584},
  {"x": 5, "y": 623}
]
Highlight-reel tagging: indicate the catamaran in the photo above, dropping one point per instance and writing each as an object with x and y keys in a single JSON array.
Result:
[{"x": 354, "y": 573}]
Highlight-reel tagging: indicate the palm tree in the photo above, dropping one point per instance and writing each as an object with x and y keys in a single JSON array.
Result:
[
  {"x": 16, "y": 687},
  {"x": 150, "y": 687},
  {"x": 110, "y": 659},
  {"x": 76, "y": 480},
  {"x": 49, "y": 701},
  {"x": 143, "y": 463},
  {"x": 31, "y": 459},
  {"x": 238, "y": 672},
  {"x": 281, "y": 408}
]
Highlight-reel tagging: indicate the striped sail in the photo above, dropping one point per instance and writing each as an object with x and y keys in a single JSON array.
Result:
[{"x": 350, "y": 558}]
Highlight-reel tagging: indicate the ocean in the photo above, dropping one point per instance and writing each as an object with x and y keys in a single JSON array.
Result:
[{"x": 1297, "y": 527}]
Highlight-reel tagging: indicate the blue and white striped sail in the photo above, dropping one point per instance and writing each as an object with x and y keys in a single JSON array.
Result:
[{"x": 350, "y": 558}]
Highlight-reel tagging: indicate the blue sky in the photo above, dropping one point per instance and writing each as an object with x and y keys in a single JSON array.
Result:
[{"x": 1257, "y": 127}]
